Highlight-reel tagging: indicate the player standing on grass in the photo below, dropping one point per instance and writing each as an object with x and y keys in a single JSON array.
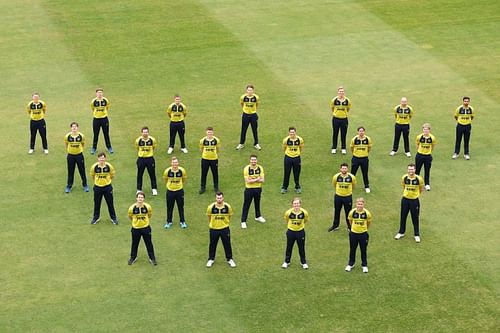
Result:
[
  {"x": 296, "y": 218},
  {"x": 413, "y": 185},
  {"x": 102, "y": 173},
  {"x": 293, "y": 146},
  {"x": 100, "y": 108},
  {"x": 36, "y": 110},
  {"x": 340, "y": 105},
  {"x": 177, "y": 111},
  {"x": 219, "y": 215},
  {"x": 146, "y": 145},
  {"x": 464, "y": 115},
  {"x": 175, "y": 178},
  {"x": 359, "y": 221},
  {"x": 209, "y": 147},
  {"x": 75, "y": 142},
  {"x": 254, "y": 178},
  {"x": 140, "y": 213},
  {"x": 344, "y": 183},
  {"x": 402, "y": 113},
  {"x": 249, "y": 102},
  {"x": 425, "y": 145},
  {"x": 360, "y": 148}
]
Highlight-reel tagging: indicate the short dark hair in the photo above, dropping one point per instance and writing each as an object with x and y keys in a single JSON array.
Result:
[
  {"x": 210, "y": 128},
  {"x": 412, "y": 165},
  {"x": 250, "y": 86},
  {"x": 140, "y": 193},
  {"x": 144, "y": 128},
  {"x": 344, "y": 164},
  {"x": 253, "y": 155},
  {"x": 101, "y": 154},
  {"x": 361, "y": 127},
  {"x": 99, "y": 89},
  {"x": 465, "y": 98},
  {"x": 219, "y": 193},
  {"x": 292, "y": 128},
  {"x": 73, "y": 123}
]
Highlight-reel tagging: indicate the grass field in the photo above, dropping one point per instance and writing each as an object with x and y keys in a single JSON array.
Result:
[{"x": 58, "y": 273}]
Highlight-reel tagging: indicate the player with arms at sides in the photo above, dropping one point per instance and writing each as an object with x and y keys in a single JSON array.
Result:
[
  {"x": 100, "y": 108},
  {"x": 359, "y": 219},
  {"x": 425, "y": 145},
  {"x": 402, "y": 114},
  {"x": 146, "y": 145},
  {"x": 102, "y": 173},
  {"x": 140, "y": 213},
  {"x": 209, "y": 147},
  {"x": 296, "y": 219},
  {"x": 75, "y": 142},
  {"x": 177, "y": 112},
  {"x": 175, "y": 177},
  {"x": 249, "y": 102},
  {"x": 293, "y": 145},
  {"x": 464, "y": 114},
  {"x": 219, "y": 215},
  {"x": 340, "y": 105},
  {"x": 361, "y": 145},
  {"x": 36, "y": 110}
]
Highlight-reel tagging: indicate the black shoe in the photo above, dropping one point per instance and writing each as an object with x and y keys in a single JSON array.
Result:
[
  {"x": 332, "y": 228},
  {"x": 114, "y": 221},
  {"x": 202, "y": 190},
  {"x": 153, "y": 262},
  {"x": 131, "y": 260},
  {"x": 94, "y": 221}
]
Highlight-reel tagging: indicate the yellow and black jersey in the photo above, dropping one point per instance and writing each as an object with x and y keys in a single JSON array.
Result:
[
  {"x": 340, "y": 108},
  {"x": 74, "y": 144},
  {"x": 425, "y": 144},
  {"x": 359, "y": 221},
  {"x": 175, "y": 179},
  {"x": 102, "y": 175},
  {"x": 464, "y": 115},
  {"x": 209, "y": 148},
  {"x": 293, "y": 147},
  {"x": 249, "y": 103},
  {"x": 145, "y": 148},
  {"x": 219, "y": 216},
  {"x": 36, "y": 110},
  {"x": 360, "y": 147},
  {"x": 412, "y": 186},
  {"x": 100, "y": 107},
  {"x": 253, "y": 173},
  {"x": 140, "y": 215},
  {"x": 296, "y": 220},
  {"x": 403, "y": 114},
  {"x": 177, "y": 112},
  {"x": 344, "y": 184}
]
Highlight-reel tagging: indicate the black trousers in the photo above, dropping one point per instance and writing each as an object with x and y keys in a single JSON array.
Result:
[
  {"x": 409, "y": 206},
  {"x": 339, "y": 125},
  {"x": 355, "y": 240},
  {"x": 398, "y": 130},
  {"x": 462, "y": 131},
  {"x": 249, "y": 195},
  {"x": 291, "y": 238},
  {"x": 225, "y": 236},
  {"x": 41, "y": 127},
  {"x": 145, "y": 233},
  {"x": 291, "y": 163},
  {"x": 362, "y": 162},
  {"x": 107, "y": 193},
  {"x": 426, "y": 161},
  {"x": 213, "y": 165},
  {"x": 249, "y": 119},
  {"x": 338, "y": 202},
  {"x": 142, "y": 164},
  {"x": 97, "y": 124},
  {"x": 177, "y": 127},
  {"x": 174, "y": 197},
  {"x": 76, "y": 160}
]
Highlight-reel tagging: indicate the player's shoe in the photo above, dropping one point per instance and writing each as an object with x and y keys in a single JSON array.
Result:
[
  {"x": 257, "y": 146},
  {"x": 305, "y": 266},
  {"x": 243, "y": 225},
  {"x": 153, "y": 262},
  {"x": 284, "y": 190},
  {"x": 408, "y": 154},
  {"x": 184, "y": 150},
  {"x": 454, "y": 156},
  {"x": 348, "y": 268},
  {"x": 427, "y": 187},
  {"x": 132, "y": 260},
  {"x": 260, "y": 219},
  {"x": 183, "y": 225},
  {"x": 31, "y": 151},
  {"x": 417, "y": 239},
  {"x": 298, "y": 190},
  {"x": 45, "y": 151},
  {"x": 110, "y": 150},
  {"x": 168, "y": 225},
  {"x": 344, "y": 151},
  {"x": 155, "y": 191},
  {"x": 170, "y": 150},
  {"x": 92, "y": 151},
  {"x": 399, "y": 236},
  {"x": 334, "y": 151},
  {"x": 467, "y": 157},
  {"x": 94, "y": 221},
  {"x": 210, "y": 263},
  {"x": 114, "y": 221},
  {"x": 239, "y": 146},
  {"x": 392, "y": 153},
  {"x": 367, "y": 190},
  {"x": 365, "y": 269},
  {"x": 86, "y": 188},
  {"x": 285, "y": 265},
  {"x": 231, "y": 263},
  {"x": 68, "y": 189},
  {"x": 332, "y": 228}
]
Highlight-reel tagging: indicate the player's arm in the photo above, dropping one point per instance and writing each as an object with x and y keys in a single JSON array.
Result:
[
  {"x": 352, "y": 145},
  {"x": 131, "y": 212},
  {"x": 111, "y": 171},
  {"x": 150, "y": 211},
  {"x": 44, "y": 108}
]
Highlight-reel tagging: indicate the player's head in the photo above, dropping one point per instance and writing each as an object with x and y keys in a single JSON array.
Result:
[
  {"x": 73, "y": 125},
  {"x": 361, "y": 130},
  {"x": 344, "y": 167},
  {"x": 296, "y": 202},
  {"x": 404, "y": 101},
  {"x": 341, "y": 91},
  {"x": 253, "y": 159},
  {"x": 145, "y": 131},
  {"x": 140, "y": 194},
  {"x": 292, "y": 131},
  {"x": 411, "y": 169},
  {"x": 250, "y": 89},
  {"x": 99, "y": 92},
  {"x": 426, "y": 128},
  {"x": 35, "y": 96},
  {"x": 219, "y": 197},
  {"x": 210, "y": 131},
  {"x": 360, "y": 203},
  {"x": 177, "y": 98},
  {"x": 466, "y": 100},
  {"x": 174, "y": 161}
]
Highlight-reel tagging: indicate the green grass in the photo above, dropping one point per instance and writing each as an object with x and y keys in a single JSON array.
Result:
[{"x": 61, "y": 274}]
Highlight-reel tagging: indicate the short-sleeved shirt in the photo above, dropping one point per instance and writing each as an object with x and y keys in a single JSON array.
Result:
[
  {"x": 37, "y": 110},
  {"x": 359, "y": 220},
  {"x": 256, "y": 172},
  {"x": 209, "y": 148},
  {"x": 340, "y": 108},
  {"x": 344, "y": 184},
  {"x": 403, "y": 114},
  {"x": 296, "y": 220},
  {"x": 99, "y": 107},
  {"x": 177, "y": 113},
  {"x": 219, "y": 216},
  {"x": 293, "y": 147},
  {"x": 140, "y": 215},
  {"x": 411, "y": 186},
  {"x": 102, "y": 175},
  {"x": 464, "y": 115},
  {"x": 425, "y": 144},
  {"x": 249, "y": 103},
  {"x": 74, "y": 144},
  {"x": 145, "y": 148},
  {"x": 361, "y": 146},
  {"x": 174, "y": 179}
]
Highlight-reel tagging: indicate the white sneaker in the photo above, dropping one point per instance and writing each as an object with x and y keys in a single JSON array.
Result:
[
  {"x": 239, "y": 146},
  {"x": 334, "y": 151},
  {"x": 231, "y": 263},
  {"x": 427, "y": 187},
  {"x": 155, "y": 191},
  {"x": 285, "y": 265},
  {"x": 170, "y": 150},
  {"x": 348, "y": 268},
  {"x": 305, "y": 266},
  {"x": 30, "y": 151},
  {"x": 454, "y": 156},
  {"x": 467, "y": 157},
  {"x": 417, "y": 239},
  {"x": 210, "y": 263},
  {"x": 365, "y": 269},
  {"x": 398, "y": 236},
  {"x": 46, "y": 151},
  {"x": 258, "y": 147},
  {"x": 184, "y": 150},
  {"x": 408, "y": 154},
  {"x": 243, "y": 225},
  {"x": 260, "y": 219},
  {"x": 367, "y": 190},
  {"x": 392, "y": 153},
  {"x": 344, "y": 151}
]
